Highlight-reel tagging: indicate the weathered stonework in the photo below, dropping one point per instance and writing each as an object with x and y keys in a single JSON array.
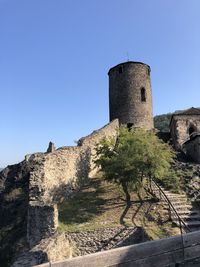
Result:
[
  {"x": 185, "y": 132},
  {"x": 130, "y": 94},
  {"x": 51, "y": 147},
  {"x": 51, "y": 249},
  {"x": 41, "y": 181},
  {"x": 192, "y": 148},
  {"x": 179, "y": 128},
  {"x": 57, "y": 175},
  {"x": 42, "y": 222}
]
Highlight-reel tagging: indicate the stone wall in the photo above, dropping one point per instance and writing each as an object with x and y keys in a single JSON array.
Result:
[
  {"x": 55, "y": 248},
  {"x": 179, "y": 128},
  {"x": 30, "y": 190},
  {"x": 57, "y": 175},
  {"x": 42, "y": 222},
  {"x": 192, "y": 148},
  {"x": 89, "y": 142}
]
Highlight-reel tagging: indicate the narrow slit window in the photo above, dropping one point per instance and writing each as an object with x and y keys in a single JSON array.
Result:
[{"x": 143, "y": 94}]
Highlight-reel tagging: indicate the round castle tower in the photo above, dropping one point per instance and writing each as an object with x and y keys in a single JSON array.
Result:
[{"x": 130, "y": 96}]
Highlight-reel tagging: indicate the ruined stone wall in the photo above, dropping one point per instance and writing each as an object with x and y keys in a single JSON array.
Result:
[
  {"x": 42, "y": 222},
  {"x": 30, "y": 191},
  {"x": 179, "y": 128},
  {"x": 192, "y": 148},
  {"x": 89, "y": 142},
  {"x": 57, "y": 175},
  {"x": 55, "y": 248}
]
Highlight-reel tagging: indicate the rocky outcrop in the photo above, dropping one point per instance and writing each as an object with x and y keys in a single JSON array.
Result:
[{"x": 13, "y": 209}]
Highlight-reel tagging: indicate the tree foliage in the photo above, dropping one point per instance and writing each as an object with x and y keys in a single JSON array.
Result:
[{"x": 134, "y": 155}]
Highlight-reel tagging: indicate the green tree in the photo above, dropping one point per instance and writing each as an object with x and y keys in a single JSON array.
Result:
[{"x": 134, "y": 155}]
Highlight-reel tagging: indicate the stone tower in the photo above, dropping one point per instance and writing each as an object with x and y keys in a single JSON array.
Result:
[{"x": 130, "y": 97}]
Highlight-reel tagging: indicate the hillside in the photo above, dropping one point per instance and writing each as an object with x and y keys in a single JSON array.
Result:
[
  {"x": 161, "y": 122},
  {"x": 97, "y": 218}
]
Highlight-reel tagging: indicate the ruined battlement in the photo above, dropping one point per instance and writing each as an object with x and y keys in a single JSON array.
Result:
[{"x": 56, "y": 176}]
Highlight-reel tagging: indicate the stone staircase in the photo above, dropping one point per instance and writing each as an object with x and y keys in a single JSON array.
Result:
[{"x": 184, "y": 208}]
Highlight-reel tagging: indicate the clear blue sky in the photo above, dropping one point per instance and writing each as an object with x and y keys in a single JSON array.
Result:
[{"x": 55, "y": 55}]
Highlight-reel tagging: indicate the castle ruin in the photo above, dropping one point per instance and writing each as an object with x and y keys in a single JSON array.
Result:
[
  {"x": 185, "y": 132},
  {"x": 58, "y": 173}
]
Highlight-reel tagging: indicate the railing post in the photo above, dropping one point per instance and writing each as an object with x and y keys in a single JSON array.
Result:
[
  {"x": 160, "y": 194},
  {"x": 170, "y": 214},
  {"x": 150, "y": 184}
]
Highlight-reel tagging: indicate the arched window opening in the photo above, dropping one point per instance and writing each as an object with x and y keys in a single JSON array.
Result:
[
  {"x": 143, "y": 94},
  {"x": 120, "y": 69}
]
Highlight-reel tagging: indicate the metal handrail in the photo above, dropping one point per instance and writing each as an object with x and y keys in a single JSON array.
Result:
[{"x": 172, "y": 207}]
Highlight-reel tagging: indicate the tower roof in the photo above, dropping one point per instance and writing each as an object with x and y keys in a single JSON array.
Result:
[
  {"x": 187, "y": 112},
  {"x": 190, "y": 111},
  {"x": 128, "y": 63}
]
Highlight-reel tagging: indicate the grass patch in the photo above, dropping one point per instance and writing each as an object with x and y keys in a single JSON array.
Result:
[
  {"x": 100, "y": 204},
  {"x": 93, "y": 207}
]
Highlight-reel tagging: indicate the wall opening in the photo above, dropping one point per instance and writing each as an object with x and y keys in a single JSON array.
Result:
[
  {"x": 129, "y": 126},
  {"x": 143, "y": 94}
]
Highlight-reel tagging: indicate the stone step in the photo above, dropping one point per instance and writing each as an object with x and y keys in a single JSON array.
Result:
[
  {"x": 189, "y": 207},
  {"x": 192, "y": 223},
  {"x": 175, "y": 195},
  {"x": 176, "y": 202},
  {"x": 180, "y": 204},
  {"x": 190, "y": 216},
  {"x": 187, "y": 217},
  {"x": 180, "y": 208},
  {"x": 188, "y": 212}
]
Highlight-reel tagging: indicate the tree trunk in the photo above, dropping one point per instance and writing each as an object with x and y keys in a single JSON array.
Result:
[
  {"x": 128, "y": 197},
  {"x": 139, "y": 196}
]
